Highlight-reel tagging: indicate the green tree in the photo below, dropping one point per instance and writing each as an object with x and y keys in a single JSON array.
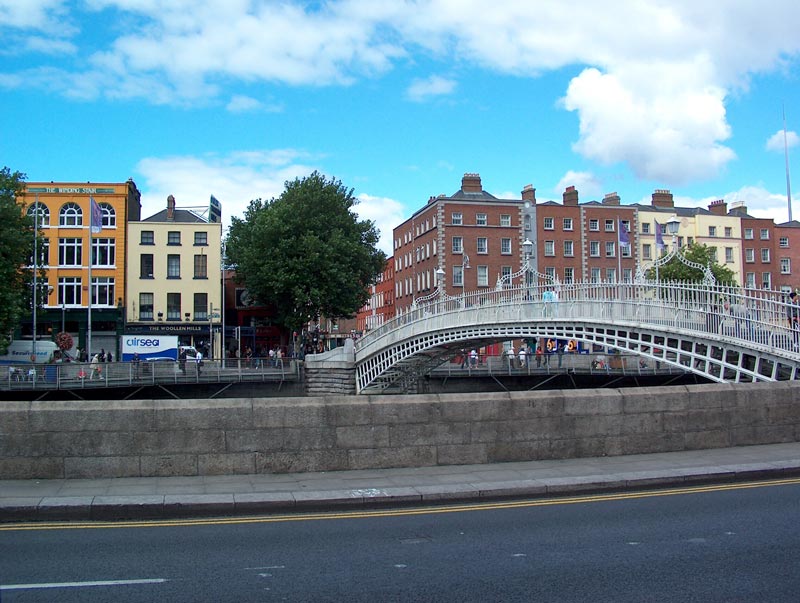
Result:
[
  {"x": 306, "y": 254},
  {"x": 16, "y": 234},
  {"x": 675, "y": 270}
]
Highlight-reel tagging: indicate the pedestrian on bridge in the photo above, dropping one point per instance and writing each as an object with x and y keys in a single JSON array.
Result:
[
  {"x": 740, "y": 314},
  {"x": 522, "y": 356},
  {"x": 539, "y": 355}
]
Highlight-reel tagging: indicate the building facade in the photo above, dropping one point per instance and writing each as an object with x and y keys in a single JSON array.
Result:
[
  {"x": 380, "y": 306},
  {"x": 85, "y": 270},
  {"x": 469, "y": 239},
  {"x": 174, "y": 278}
]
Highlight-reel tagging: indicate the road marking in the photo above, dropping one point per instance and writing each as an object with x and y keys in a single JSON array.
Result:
[
  {"x": 81, "y": 584},
  {"x": 430, "y": 510}
]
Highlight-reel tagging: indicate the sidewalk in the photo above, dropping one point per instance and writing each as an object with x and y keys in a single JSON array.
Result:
[{"x": 175, "y": 497}]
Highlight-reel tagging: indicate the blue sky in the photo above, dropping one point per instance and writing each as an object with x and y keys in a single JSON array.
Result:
[{"x": 399, "y": 98}]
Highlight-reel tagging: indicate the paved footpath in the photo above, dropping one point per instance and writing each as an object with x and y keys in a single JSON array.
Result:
[{"x": 175, "y": 497}]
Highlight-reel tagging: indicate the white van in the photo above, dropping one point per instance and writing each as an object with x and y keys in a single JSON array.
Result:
[
  {"x": 19, "y": 352},
  {"x": 189, "y": 350}
]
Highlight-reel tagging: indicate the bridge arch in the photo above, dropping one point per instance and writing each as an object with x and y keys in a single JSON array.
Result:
[{"x": 686, "y": 326}]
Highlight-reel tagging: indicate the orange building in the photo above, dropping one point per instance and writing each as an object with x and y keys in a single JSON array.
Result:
[{"x": 64, "y": 242}]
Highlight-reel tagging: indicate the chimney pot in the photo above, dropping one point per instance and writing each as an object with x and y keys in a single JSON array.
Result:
[
  {"x": 662, "y": 197},
  {"x": 471, "y": 183},
  {"x": 529, "y": 193},
  {"x": 570, "y": 196}
]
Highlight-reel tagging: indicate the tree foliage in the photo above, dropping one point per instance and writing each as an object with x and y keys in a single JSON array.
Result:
[
  {"x": 306, "y": 254},
  {"x": 16, "y": 235},
  {"x": 675, "y": 270}
]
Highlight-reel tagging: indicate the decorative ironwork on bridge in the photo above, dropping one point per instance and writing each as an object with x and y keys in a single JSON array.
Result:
[{"x": 722, "y": 333}]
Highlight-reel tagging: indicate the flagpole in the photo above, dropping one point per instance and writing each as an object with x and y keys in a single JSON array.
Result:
[
  {"x": 89, "y": 305},
  {"x": 89, "y": 312},
  {"x": 35, "y": 271}
]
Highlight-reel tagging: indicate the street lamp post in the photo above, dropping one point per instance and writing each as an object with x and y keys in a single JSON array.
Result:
[
  {"x": 527, "y": 252},
  {"x": 672, "y": 228},
  {"x": 464, "y": 266}
]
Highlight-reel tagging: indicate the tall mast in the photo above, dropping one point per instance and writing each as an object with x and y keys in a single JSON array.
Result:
[{"x": 786, "y": 155}]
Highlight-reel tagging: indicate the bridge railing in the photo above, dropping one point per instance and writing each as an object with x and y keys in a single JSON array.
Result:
[
  {"x": 78, "y": 375},
  {"x": 747, "y": 316}
]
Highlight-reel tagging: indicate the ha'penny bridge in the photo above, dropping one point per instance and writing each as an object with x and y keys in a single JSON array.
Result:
[{"x": 720, "y": 333}]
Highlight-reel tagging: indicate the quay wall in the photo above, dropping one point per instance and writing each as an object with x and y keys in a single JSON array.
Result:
[{"x": 131, "y": 438}]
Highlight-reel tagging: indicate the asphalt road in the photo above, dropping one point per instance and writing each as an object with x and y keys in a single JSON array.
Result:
[{"x": 718, "y": 543}]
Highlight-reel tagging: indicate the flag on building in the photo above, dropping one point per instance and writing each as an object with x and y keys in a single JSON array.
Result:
[
  {"x": 624, "y": 236},
  {"x": 97, "y": 216},
  {"x": 659, "y": 237}
]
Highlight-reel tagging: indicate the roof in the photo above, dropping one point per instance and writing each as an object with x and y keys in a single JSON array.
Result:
[
  {"x": 182, "y": 216},
  {"x": 479, "y": 196}
]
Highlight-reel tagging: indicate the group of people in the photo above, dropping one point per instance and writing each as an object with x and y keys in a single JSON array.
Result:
[
  {"x": 273, "y": 355},
  {"x": 95, "y": 364}
]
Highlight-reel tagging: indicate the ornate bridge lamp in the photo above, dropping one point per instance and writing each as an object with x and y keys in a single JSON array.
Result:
[
  {"x": 464, "y": 266},
  {"x": 526, "y": 271}
]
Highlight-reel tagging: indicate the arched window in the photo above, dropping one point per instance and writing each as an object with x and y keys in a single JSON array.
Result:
[
  {"x": 109, "y": 215},
  {"x": 44, "y": 214},
  {"x": 70, "y": 215}
]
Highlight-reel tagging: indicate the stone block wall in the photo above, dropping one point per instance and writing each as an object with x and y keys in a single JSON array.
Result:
[{"x": 80, "y": 439}]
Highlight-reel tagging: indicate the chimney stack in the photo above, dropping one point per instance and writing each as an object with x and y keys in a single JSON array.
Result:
[
  {"x": 170, "y": 208},
  {"x": 570, "y": 196},
  {"x": 471, "y": 183},
  {"x": 662, "y": 198},
  {"x": 529, "y": 193},
  {"x": 611, "y": 199},
  {"x": 718, "y": 207}
]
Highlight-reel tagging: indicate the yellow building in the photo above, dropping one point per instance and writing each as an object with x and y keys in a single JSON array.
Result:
[
  {"x": 174, "y": 278},
  {"x": 713, "y": 227},
  {"x": 64, "y": 242}
]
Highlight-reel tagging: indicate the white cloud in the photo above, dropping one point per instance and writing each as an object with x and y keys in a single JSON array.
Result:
[
  {"x": 587, "y": 184},
  {"x": 234, "y": 179},
  {"x": 386, "y": 213},
  {"x": 760, "y": 202},
  {"x": 34, "y": 14},
  {"x": 238, "y": 178},
  {"x": 775, "y": 142},
  {"x": 435, "y": 85},
  {"x": 667, "y": 129},
  {"x": 651, "y": 93},
  {"x": 241, "y": 104}
]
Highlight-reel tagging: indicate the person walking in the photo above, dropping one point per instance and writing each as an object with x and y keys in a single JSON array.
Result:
[
  {"x": 522, "y": 356},
  {"x": 198, "y": 361},
  {"x": 135, "y": 363},
  {"x": 539, "y": 354},
  {"x": 94, "y": 367},
  {"x": 560, "y": 352}
]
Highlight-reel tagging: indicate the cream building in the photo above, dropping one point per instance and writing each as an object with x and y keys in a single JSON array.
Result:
[
  {"x": 174, "y": 278},
  {"x": 712, "y": 227}
]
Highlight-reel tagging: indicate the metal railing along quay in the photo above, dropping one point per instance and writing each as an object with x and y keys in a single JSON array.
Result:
[{"x": 79, "y": 375}]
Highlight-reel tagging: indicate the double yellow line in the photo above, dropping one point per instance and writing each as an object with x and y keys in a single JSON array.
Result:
[{"x": 422, "y": 510}]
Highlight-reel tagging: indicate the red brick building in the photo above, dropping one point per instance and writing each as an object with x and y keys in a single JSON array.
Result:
[
  {"x": 380, "y": 306},
  {"x": 582, "y": 241},
  {"x": 471, "y": 235}
]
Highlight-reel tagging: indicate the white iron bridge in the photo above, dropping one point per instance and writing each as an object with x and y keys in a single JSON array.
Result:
[{"x": 722, "y": 333}]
